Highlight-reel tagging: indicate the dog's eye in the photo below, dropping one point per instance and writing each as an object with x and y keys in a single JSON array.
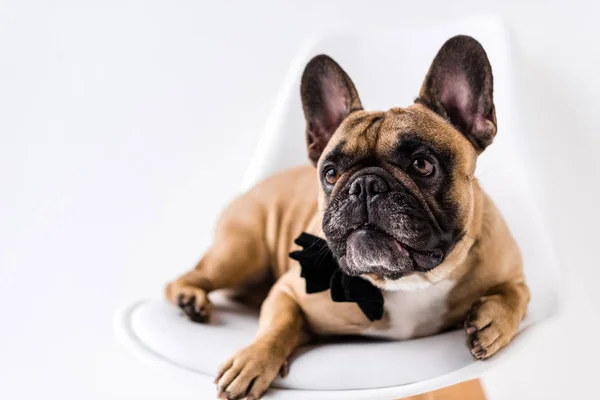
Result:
[
  {"x": 331, "y": 176},
  {"x": 422, "y": 166}
]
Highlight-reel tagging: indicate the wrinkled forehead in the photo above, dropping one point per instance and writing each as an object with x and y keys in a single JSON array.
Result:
[{"x": 365, "y": 134}]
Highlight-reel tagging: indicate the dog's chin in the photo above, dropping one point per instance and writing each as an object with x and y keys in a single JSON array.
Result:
[
  {"x": 370, "y": 251},
  {"x": 374, "y": 252}
]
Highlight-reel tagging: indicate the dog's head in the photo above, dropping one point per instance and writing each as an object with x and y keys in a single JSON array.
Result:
[{"x": 397, "y": 185}]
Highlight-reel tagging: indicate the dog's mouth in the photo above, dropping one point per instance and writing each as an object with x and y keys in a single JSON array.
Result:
[{"x": 370, "y": 250}]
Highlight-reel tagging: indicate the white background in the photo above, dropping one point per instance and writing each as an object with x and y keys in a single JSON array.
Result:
[{"x": 126, "y": 125}]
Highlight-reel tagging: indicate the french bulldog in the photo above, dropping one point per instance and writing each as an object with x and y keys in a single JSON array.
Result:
[{"x": 394, "y": 195}]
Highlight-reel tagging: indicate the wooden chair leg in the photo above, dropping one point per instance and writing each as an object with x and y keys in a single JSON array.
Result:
[{"x": 470, "y": 390}]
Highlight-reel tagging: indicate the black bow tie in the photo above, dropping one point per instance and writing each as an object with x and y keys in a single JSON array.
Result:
[{"x": 321, "y": 272}]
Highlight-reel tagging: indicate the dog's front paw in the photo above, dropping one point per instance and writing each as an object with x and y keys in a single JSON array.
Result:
[
  {"x": 249, "y": 373},
  {"x": 192, "y": 300},
  {"x": 490, "y": 325}
]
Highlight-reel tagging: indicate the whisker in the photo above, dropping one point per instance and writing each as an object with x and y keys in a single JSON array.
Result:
[
  {"x": 313, "y": 244},
  {"x": 406, "y": 283},
  {"x": 467, "y": 235}
]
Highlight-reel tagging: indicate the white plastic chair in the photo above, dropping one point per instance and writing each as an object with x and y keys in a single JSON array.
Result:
[{"x": 387, "y": 68}]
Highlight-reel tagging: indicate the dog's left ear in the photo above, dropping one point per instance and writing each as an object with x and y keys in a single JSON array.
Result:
[
  {"x": 328, "y": 96},
  {"x": 459, "y": 87}
]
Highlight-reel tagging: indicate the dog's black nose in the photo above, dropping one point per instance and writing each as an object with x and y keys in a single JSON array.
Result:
[{"x": 368, "y": 186}]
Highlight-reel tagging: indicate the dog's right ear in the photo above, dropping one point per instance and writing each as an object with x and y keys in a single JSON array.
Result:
[{"x": 328, "y": 96}]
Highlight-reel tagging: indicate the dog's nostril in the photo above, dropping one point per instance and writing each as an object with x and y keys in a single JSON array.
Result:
[
  {"x": 356, "y": 187},
  {"x": 376, "y": 186}
]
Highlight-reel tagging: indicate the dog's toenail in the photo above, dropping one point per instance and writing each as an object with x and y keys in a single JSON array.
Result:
[{"x": 223, "y": 395}]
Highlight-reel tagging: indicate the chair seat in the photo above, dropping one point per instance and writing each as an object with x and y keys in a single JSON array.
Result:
[{"x": 163, "y": 332}]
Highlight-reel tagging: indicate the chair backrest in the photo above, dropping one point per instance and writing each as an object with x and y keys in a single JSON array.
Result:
[{"x": 388, "y": 68}]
